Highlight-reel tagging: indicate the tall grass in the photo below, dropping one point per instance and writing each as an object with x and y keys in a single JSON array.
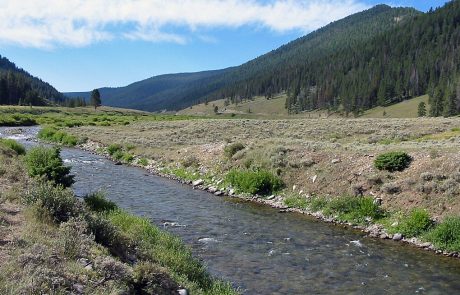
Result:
[
  {"x": 261, "y": 182},
  {"x": 14, "y": 145},
  {"x": 57, "y": 136},
  {"x": 446, "y": 236}
]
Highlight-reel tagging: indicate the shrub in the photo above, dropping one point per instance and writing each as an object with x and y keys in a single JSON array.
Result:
[
  {"x": 446, "y": 235},
  {"x": 97, "y": 202},
  {"x": 14, "y": 145},
  {"x": 150, "y": 278},
  {"x": 392, "y": 161},
  {"x": 232, "y": 149},
  {"x": 60, "y": 203},
  {"x": 127, "y": 157},
  {"x": 143, "y": 162},
  {"x": 416, "y": 223},
  {"x": 47, "y": 163},
  {"x": 190, "y": 161},
  {"x": 354, "y": 209},
  {"x": 113, "y": 148},
  {"x": 58, "y": 136},
  {"x": 296, "y": 201},
  {"x": 391, "y": 188},
  {"x": 254, "y": 182}
]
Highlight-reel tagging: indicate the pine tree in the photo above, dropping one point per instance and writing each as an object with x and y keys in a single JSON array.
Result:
[
  {"x": 95, "y": 98},
  {"x": 421, "y": 109}
]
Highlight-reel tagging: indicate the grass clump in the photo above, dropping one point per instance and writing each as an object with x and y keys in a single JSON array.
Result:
[
  {"x": 98, "y": 203},
  {"x": 393, "y": 161},
  {"x": 354, "y": 209},
  {"x": 57, "y": 136},
  {"x": 14, "y": 145},
  {"x": 47, "y": 163},
  {"x": 261, "y": 182},
  {"x": 143, "y": 162},
  {"x": 11, "y": 120},
  {"x": 113, "y": 148},
  {"x": 415, "y": 224},
  {"x": 446, "y": 236},
  {"x": 232, "y": 149}
]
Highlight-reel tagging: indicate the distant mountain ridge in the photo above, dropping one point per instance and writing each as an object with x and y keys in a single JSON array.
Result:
[{"x": 379, "y": 56}]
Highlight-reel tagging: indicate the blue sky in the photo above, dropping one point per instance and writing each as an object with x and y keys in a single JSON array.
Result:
[{"x": 78, "y": 45}]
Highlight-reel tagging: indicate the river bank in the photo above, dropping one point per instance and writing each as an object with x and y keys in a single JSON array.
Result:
[
  {"x": 52, "y": 241},
  {"x": 241, "y": 241},
  {"x": 374, "y": 230}
]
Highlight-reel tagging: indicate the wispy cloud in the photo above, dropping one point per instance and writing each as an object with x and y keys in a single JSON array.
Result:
[{"x": 50, "y": 23}]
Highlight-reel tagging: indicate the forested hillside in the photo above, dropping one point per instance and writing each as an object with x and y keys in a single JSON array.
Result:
[
  {"x": 19, "y": 87},
  {"x": 165, "y": 92},
  {"x": 412, "y": 54},
  {"x": 373, "y": 58}
]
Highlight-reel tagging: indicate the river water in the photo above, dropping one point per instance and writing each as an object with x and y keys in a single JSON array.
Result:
[{"x": 257, "y": 248}]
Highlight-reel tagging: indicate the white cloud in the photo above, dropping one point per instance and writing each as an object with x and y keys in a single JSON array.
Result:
[{"x": 48, "y": 23}]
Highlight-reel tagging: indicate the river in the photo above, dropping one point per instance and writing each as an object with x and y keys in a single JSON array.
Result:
[{"x": 257, "y": 248}]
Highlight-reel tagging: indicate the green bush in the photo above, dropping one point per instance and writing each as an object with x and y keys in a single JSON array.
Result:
[
  {"x": 113, "y": 148},
  {"x": 59, "y": 202},
  {"x": 143, "y": 162},
  {"x": 47, "y": 163},
  {"x": 296, "y": 201},
  {"x": 16, "y": 120},
  {"x": 415, "y": 224},
  {"x": 127, "y": 157},
  {"x": 232, "y": 149},
  {"x": 97, "y": 202},
  {"x": 446, "y": 236},
  {"x": 254, "y": 182},
  {"x": 58, "y": 136},
  {"x": 393, "y": 161},
  {"x": 354, "y": 209},
  {"x": 14, "y": 145}
]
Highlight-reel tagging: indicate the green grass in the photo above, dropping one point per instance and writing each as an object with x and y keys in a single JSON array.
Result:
[
  {"x": 261, "y": 182},
  {"x": 404, "y": 109},
  {"x": 98, "y": 203},
  {"x": 14, "y": 145},
  {"x": 168, "y": 251},
  {"x": 354, "y": 209},
  {"x": 57, "y": 136},
  {"x": 16, "y": 120},
  {"x": 446, "y": 235},
  {"x": 416, "y": 223}
]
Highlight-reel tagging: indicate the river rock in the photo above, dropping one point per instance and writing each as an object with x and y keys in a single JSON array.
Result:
[
  {"x": 397, "y": 237},
  {"x": 335, "y": 161},
  {"x": 231, "y": 192},
  {"x": 79, "y": 288},
  {"x": 182, "y": 292},
  {"x": 198, "y": 182},
  {"x": 212, "y": 189},
  {"x": 118, "y": 163},
  {"x": 425, "y": 245},
  {"x": 218, "y": 193}
]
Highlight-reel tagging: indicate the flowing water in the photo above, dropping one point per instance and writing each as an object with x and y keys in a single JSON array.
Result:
[{"x": 259, "y": 249}]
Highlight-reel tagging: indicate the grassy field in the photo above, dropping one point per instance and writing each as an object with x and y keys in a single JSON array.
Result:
[
  {"x": 260, "y": 107},
  {"x": 405, "y": 109}
]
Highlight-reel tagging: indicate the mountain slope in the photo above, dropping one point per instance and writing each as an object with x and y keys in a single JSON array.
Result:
[
  {"x": 19, "y": 87},
  {"x": 171, "y": 92},
  {"x": 177, "y": 91},
  {"x": 376, "y": 57}
]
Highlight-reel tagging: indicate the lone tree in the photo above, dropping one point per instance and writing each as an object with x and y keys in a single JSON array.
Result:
[
  {"x": 95, "y": 98},
  {"x": 421, "y": 109}
]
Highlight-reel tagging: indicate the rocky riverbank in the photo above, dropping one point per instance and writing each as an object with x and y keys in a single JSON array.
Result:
[{"x": 373, "y": 230}]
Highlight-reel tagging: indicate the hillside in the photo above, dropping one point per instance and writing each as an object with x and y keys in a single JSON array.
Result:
[
  {"x": 377, "y": 57},
  {"x": 177, "y": 91},
  {"x": 19, "y": 87},
  {"x": 171, "y": 92}
]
